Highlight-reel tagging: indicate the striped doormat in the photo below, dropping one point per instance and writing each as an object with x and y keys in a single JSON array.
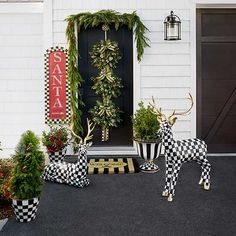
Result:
[{"x": 112, "y": 166}]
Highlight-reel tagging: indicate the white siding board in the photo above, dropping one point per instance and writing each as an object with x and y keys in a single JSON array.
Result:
[
  {"x": 26, "y": 107},
  {"x": 160, "y": 15},
  {"x": 166, "y": 59},
  {"x": 165, "y": 82},
  {"x": 20, "y": 19},
  {"x": 19, "y": 52},
  {"x": 165, "y": 70},
  {"x": 21, "y": 96},
  {"x": 156, "y": 37},
  {"x": 18, "y": 63},
  {"x": 32, "y": 85},
  {"x": 168, "y": 48},
  {"x": 164, "y": 92}
]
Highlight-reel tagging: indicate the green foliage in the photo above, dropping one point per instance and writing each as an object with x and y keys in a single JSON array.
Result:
[
  {"x": 110, "y": 116},
  {"x": 109, "y": 17},
  {"x": 56, "y": 139},
  {"x": 105, "y": 56},
  {"x": 75, "y": 79},
  {"x": 87, "y": 20},
  {"x": 145, "y": 123},
  {"x": 105, "y": 53},
  {"x": 6, "y": 166},
  {"x": 26, "y": 182}
]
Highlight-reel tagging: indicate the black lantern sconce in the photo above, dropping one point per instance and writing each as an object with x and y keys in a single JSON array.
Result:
[{"x": 172, "y": 27}]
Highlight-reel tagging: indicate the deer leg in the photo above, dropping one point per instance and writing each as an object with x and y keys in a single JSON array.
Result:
[
  {"x": 206, "y": 171},
  {"x": 205, "y": 176},
  {"x": 201, "y": 181},
  {"x": 169, "y": 169},
  {"x": 175, "y": 173}
]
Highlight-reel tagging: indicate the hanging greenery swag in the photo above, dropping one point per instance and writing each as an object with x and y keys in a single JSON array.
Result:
[
  {"x": 105, "y": 113},
  {"x": 90, "y": 20}
]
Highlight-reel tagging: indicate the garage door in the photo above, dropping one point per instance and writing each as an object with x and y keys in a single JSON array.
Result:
[{"x": 216, "y": 78}]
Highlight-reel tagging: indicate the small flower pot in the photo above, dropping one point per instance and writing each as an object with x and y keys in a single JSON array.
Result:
[
  {"x": 148, "y": 150},
  {"x": 57, "y": 156},
  {"x": 25, "y": 210}
]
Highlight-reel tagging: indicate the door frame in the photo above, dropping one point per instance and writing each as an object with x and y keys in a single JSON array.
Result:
[{"x": 193, "y": 51}]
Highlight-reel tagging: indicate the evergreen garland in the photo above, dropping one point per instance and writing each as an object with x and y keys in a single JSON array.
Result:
[
  {"x": 90, "y": 20},
  {"x": 106, "y": 114}
]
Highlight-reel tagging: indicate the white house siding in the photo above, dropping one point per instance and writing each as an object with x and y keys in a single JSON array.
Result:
[
  {"x": 165, "y": 71},
  {"x": 21, "y": 72}
]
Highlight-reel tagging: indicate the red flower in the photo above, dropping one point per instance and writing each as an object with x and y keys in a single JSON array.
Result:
[{"x": 1, "y": 174}]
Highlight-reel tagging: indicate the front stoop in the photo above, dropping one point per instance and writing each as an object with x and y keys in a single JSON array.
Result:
[{"x": 2, "y": 223}]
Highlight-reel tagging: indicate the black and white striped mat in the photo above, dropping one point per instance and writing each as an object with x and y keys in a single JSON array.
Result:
[{"x": 112, "y": 166}]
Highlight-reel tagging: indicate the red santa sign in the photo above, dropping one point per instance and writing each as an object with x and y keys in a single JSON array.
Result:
[{"x": 56, "y": 84}]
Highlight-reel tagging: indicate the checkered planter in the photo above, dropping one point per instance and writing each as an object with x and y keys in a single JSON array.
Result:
[
  {"x": 25, "y": 210},
  {"x": 57, "y": 156},
  {"x": 148, "y": 150}
]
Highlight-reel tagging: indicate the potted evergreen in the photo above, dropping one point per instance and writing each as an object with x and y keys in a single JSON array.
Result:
[
  {"x": 26, "y": 184},
  {"x": 56, "y": 141},
  {"x": 145, "y": 129}
]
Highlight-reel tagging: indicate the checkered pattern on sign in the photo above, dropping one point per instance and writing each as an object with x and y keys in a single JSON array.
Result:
[
  {"x": 46, "y": 72},
  {"x": 178, "y": 152},
  {"x": 25, "y": 210}
]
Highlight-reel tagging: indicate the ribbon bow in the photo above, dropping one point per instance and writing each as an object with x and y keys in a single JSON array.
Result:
[
  {"x": 105, "y": 73},
  {"x": 107, "y": 45}
]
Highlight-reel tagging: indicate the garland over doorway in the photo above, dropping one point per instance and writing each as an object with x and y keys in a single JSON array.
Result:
[{"x": 88, "y": 20}]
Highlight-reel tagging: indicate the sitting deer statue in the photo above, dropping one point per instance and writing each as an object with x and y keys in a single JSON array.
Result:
[
  {"x": 178, "y": 152},
  {"x": 72, "y": 173}
]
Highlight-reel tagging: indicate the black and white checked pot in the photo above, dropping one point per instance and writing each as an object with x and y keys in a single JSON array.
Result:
[
  {"x": 148, "y": 150},
  {"x": 57, "y": 156},
  {"x": 25, "y": 210}
]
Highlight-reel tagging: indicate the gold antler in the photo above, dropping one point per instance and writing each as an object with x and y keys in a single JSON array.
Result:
[
  {"x": 174, "y": 114},
  {"x": 91, "y": 127},
  {"x": 157, "y": 111}
]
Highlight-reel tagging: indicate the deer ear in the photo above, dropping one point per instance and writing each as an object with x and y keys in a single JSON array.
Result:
[
  {"x": 89, "y": 144},
  {"x": 159, "y": 119},
  {"x": 173, "y": 120}
]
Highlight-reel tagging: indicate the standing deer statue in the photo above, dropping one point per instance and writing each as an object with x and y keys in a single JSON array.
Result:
[
  {"x": 72, "y": 173},
  {"x": 178, "y": 152}
]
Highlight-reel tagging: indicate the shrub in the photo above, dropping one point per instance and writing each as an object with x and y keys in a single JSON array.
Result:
[
  {"x": 56, "y": 139},
  {"x": 6, "y": 166},
  {"x": 26, "y": 182},
  {"x": 145, "y": 123}
]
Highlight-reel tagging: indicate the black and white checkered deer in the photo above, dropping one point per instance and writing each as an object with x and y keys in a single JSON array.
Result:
[
  {"x": 72, "y": 173},
  {"x": 178, "y": 152}
]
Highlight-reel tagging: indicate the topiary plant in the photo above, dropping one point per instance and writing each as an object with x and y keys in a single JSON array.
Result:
[
  {"x": 145, "y": 123},
  {"x": 26, "y": 182}
]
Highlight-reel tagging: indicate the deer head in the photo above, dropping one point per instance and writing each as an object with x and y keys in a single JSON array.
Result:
[
  {"x": 83, "y": 142},
  {"x": 173, "y": 117}
]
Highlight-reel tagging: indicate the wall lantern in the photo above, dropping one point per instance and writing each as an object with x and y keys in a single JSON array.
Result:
[{"x": 172, "y": 27}]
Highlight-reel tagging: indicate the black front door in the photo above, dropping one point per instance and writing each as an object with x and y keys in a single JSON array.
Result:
[{"x": 122, "y": 135}]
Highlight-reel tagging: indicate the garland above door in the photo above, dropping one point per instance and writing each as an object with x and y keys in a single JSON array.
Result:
[{"x": 88, "y": 20}]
